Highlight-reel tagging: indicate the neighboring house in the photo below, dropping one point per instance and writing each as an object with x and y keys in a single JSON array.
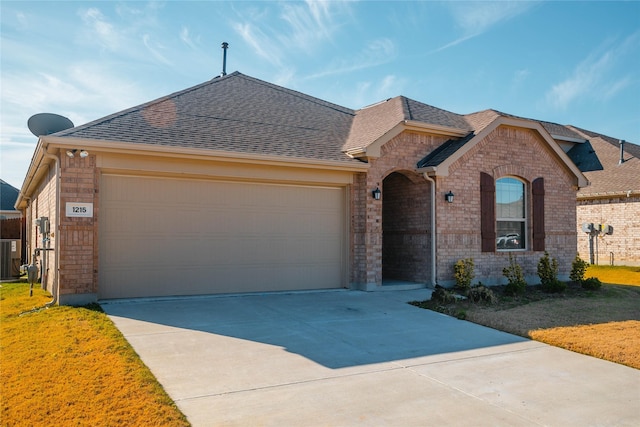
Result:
[
  {"x": 8, "y": 197},
  {"x": 11, "y": 228},
  {"x": 238, "y": 185},
  {"x": 613, "y": 199}
]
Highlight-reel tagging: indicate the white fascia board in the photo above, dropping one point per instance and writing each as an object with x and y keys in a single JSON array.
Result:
[
  {"x": 435, "y": 129},
  {"x": 568, "y": 139}
]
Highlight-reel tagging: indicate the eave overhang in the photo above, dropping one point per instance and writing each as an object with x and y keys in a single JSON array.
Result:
[
  {"x": 52, "y": 144},
  {"x": 372, "y": 150}
]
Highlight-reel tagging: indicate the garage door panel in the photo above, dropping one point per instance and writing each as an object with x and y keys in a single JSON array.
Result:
[{"x": 160, "y": 236}]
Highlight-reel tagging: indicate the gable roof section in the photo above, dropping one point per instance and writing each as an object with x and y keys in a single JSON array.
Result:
[
  {"x": 377, "y": 124},
  {"x": 614, "y": 179},
  {"x": 437, "y": 163},
  {"x": 234, "y": 113}
]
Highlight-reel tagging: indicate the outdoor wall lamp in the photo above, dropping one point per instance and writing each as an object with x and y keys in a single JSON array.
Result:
[
  {"x": 449, "y": 197},
  {"x": 376, "y": 193},
  {"x": 72, "y": 153}
]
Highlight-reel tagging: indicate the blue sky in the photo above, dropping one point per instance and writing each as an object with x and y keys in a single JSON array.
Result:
[{"x": 566, "y": 62}]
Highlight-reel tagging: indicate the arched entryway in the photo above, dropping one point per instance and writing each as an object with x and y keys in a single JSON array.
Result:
[{"x": 406, "y": 237}]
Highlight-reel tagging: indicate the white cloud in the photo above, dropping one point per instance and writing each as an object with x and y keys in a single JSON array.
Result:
[
  {"x": 369, "y": 92},
  {"x": 593, "y": 77},
  {"x": 104, "y": 30},
  {"x": 376, "y": 52},
  {"x": 307, "y": 27},
  {"x": 260, "y": 42},
  {"x": 155, "y": 48},
  {"x": 185, "y": 36},
  {"x": 474, "y": 18}
]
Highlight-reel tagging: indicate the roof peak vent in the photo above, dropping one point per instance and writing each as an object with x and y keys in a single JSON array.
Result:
[{"x": 225, "y": 46}]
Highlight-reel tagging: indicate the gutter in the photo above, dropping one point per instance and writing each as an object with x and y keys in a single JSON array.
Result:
[{"x": 433, "y": 228}]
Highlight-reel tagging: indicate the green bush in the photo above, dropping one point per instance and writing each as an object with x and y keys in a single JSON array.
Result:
[
  {"x": 548, "y": 273},
  {"x": 592, "y": 284},
  {"x": 443, "y": 296},
  {"x": 482, "y": 294},
  {"x": 578, "y": 269},
  {"x": 464, "y": 274},
  {"x": 516, "y": 284}
]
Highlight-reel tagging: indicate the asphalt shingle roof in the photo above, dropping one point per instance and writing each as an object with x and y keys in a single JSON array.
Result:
[
  {"x": 241, "y": 114},
  {"x": 372, "y": 122},
  {"x": 8, "y": 196},
  {"x": 614, "y": 178},
  {"x": 234, "y": 113}
]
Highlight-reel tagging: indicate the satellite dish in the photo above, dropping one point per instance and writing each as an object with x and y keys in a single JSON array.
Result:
[{"x": 48, "y": 123}]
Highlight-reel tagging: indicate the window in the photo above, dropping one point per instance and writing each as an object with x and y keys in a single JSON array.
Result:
[{"x": 511, "y": 230}]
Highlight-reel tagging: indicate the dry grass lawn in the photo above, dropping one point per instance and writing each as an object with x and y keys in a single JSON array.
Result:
[
  {"x": 603, "y": 323},
  {"x": 68, "y": 366}
]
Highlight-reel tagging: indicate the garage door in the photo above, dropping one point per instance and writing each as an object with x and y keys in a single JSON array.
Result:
[{"x": 166, "y": 236}]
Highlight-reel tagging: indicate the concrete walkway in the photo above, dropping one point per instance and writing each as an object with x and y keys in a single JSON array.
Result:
[{"x": 348, "y": 358}]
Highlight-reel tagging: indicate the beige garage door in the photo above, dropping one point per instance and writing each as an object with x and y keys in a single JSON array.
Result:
[{"x": 165, "y": 236}]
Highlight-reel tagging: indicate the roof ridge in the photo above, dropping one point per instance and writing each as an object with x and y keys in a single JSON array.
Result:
[
  {"x": 406, "y": 108},
  {"x": 299, "y": 94}
]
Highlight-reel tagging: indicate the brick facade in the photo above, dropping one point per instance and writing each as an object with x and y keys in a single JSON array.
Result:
[
  {"x": 506, "y": 151},
  {"x": 77, "y": 237},
  {"x": 43, "y": 204},
  {"x": 623, "y": 246}
]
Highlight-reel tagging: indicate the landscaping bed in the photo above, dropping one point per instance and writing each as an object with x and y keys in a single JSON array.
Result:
[{"x": 604, "y": 323}]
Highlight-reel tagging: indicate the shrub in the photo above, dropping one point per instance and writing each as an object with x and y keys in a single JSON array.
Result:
[
  {"x": 514, "y": 275},
  {"x": 443, "y": 296},
  {"x": 592, "y": 284},
  {"x": 464, "y": 274},
  {"x": 548, "y": 273},
  {"x": 482, "y": 294},
  {"x": 578, "y": 269}
]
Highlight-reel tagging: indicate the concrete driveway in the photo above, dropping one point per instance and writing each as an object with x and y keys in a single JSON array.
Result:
[{"x": 348, "y": 358}]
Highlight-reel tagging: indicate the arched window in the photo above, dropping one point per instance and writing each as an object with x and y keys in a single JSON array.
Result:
[{"x": 511, "y": 218}]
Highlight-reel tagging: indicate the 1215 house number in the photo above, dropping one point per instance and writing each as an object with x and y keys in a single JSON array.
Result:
[{"x": 78, "y": 209}]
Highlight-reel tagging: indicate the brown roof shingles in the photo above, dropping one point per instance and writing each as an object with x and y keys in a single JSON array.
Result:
[
  {"x": 235, "y": 113},
  {"x": 238, "y": 113},
  {"x": 614, "y": 179}
]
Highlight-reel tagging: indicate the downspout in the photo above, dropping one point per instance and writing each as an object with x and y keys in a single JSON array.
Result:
[
  {"x": 56, "y": 250},
  {"x": 433, "y": 228}
]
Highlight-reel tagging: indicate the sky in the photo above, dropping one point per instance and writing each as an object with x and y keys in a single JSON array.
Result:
[{"x": 567, "y": 62}]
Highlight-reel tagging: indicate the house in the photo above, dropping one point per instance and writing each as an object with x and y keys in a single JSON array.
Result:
[
  {"x": 239, "y": 185},
  {"x": 11, "y": 228},
  {"x": 612, "y": 199}
]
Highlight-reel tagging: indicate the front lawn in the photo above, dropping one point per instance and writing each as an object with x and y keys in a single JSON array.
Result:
[
  {"x": 70, "y": 366},
  {"x": 603, "y": 323}
]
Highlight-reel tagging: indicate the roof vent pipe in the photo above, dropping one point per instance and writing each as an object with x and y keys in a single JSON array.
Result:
[
  {"x": 621, "y": 152},
  {"x": 225, "y": 46}
]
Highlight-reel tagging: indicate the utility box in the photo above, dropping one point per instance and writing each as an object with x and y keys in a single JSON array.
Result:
[
  {"x": 10, "y": 261},
  {"x": 587, "y": 227}
]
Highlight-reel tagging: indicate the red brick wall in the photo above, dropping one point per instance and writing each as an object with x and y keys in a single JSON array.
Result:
[
  {"x": 401, "y": 154},
  {"x": 623, "y": 213},
  {"x": 42, "y": 204},
  {"x": 504, "y": 152},
  {"x": 406, "y": 238},
  {"x": 78, "y": 236}
]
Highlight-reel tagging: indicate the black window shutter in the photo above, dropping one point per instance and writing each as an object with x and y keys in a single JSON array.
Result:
[
  {"x": 538, "y": 214},
  {"x": 487, "y": 212}
]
